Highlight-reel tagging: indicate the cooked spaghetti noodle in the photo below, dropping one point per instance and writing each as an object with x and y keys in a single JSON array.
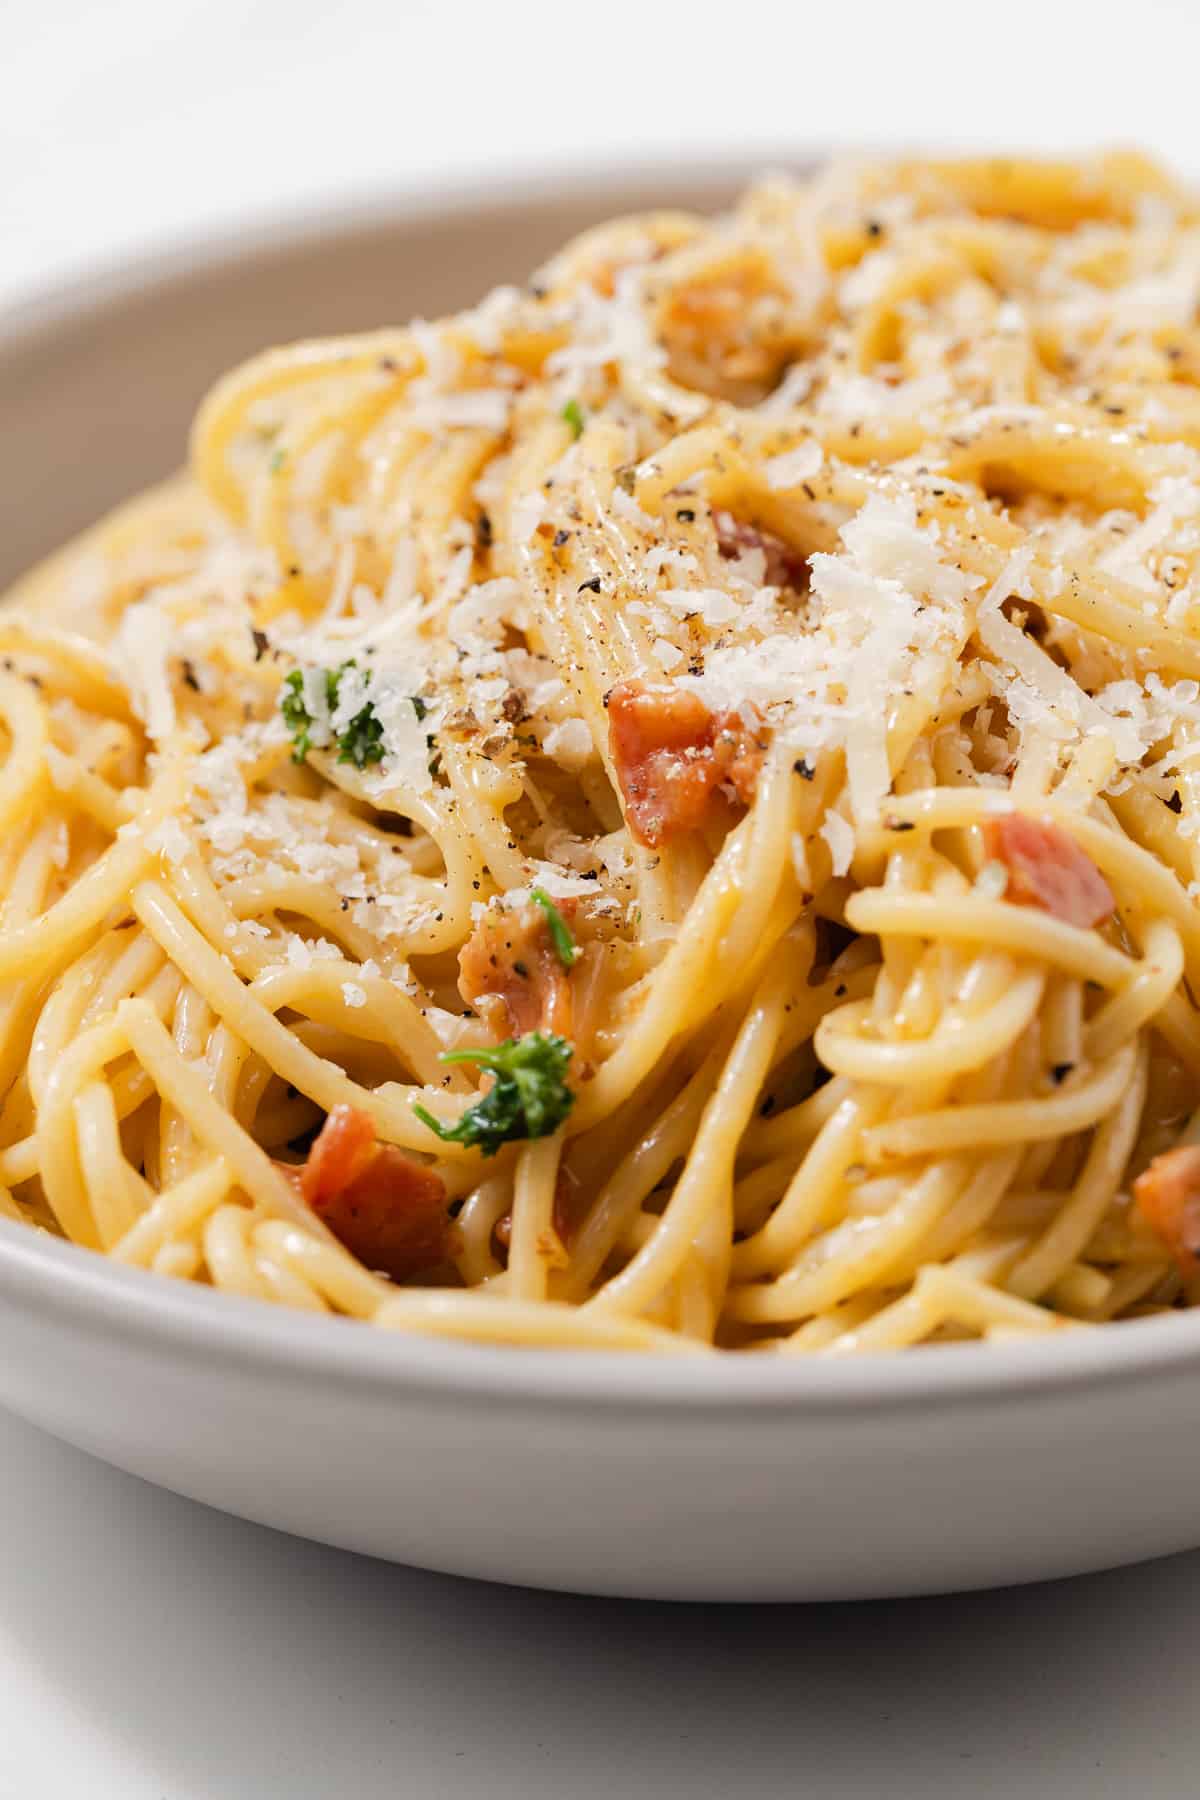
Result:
[{"x": 660, "y": 812}]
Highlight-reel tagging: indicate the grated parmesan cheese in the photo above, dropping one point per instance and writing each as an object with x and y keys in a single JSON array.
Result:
[
  {"x": 838, "y": 834},
  {"x": 169, "y": 839},
  {"x": 570, "y": 744},
  {"x": 794, "y": 467},
  {"x": 485, "y": 409},
  {"x": 143, "y": 648}
]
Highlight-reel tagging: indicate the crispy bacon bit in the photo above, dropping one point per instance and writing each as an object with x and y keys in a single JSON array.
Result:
[
  {"x": 387, "y": 1210},
  {"x": 1168, "y": 1197},
  {"x": 511, "y": 973},
  {"x": 672, "y": 755},
  {"x": 738, "y": 754},
  {"x": 786, "y": 567},
  {"x": 514, "y": 708},
  {"x": 1047, "y": 868}
]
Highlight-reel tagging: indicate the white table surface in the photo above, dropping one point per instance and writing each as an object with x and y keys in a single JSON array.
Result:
[{"x": 152, "y": 1650}]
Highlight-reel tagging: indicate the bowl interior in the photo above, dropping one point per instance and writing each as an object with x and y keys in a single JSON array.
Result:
[{"x": 98, "y": 385}]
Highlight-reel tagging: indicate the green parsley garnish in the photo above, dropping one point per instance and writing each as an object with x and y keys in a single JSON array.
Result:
[
  {"x": 565, "y": 947},
  {"x": 528, "y": 1099},
  {"x": 572, "y": 412},
  {"x": 278, "y": 458},
  {"x": 296, "y": 715},
  {"x": 360, "y": 741}
]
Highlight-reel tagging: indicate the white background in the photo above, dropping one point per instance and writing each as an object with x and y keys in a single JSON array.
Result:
[
  {"x": 151, "y": 1650},
  {"x": 125, "y": 122}
]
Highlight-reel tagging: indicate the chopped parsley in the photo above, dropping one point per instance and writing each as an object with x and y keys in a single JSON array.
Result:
[
  {"x": 360, "y": 740},
  {"x": 296, "y": 715},
  {"x": 572, "y": 412},
  {"x": 565, "y": 947},
  {"x": 528, "y": 1099}
]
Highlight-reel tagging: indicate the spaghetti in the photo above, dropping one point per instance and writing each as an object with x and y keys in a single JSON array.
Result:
[{"x": 659, "y": 812}]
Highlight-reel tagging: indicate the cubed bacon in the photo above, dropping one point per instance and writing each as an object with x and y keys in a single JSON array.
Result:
[
  {"x": 1168, "y": 1197},
  {"x": 785, "y": 566},
  {"x": 511, "y": 973},
  {"x": 387, "y": 1210},
  {"x": 672, "y": 755},
  {"x": 738, "y": 754},
  {"x": 1047, "y": 868}
]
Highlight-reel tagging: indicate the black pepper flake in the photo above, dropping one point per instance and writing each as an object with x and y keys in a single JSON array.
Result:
[
  {"x": 189, "y": 676},
  {"x": 899, "y": 825},
  {"x": 1060, "y": 1071},
  {"x": 561, "y": 536},
  {"x": 686, "y": 515},
  {"x": 483, "y": 530},
  {"x": 873, "y": 228},
  {"x": 262, "y": 643},
  {"x": 592, "y": 586},
  {"x": 804, "y": 769}
]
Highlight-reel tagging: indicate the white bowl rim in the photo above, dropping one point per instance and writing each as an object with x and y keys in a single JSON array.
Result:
[{"x": 38, "y": 1271}]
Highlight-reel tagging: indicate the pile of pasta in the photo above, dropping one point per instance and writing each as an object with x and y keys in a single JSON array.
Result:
[{"x": 660, "y": 812}]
